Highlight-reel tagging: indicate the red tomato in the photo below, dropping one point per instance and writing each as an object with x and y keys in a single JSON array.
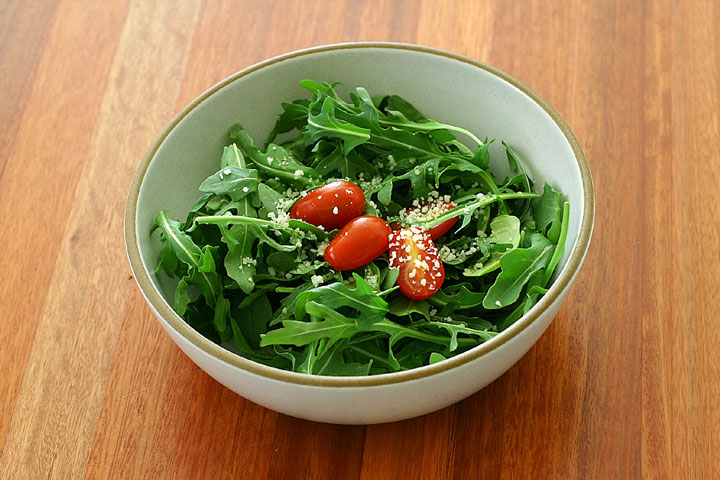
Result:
[
  {"x": 413, "y": 252},
  {"x": 330, "y": 206},
  {"x": 359, "y": 242},
  {"x": 428, "y": 211}
]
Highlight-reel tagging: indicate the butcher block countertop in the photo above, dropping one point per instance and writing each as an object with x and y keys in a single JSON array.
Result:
[{"x": 624, "y": 384}]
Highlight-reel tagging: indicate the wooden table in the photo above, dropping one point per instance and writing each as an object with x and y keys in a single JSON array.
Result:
[{"x": 624, "y": 384}]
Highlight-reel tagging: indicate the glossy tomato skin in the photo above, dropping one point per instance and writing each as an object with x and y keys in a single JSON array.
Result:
[
  {"x": 358, "y": 243},
  {"x": 439, "y": 230},
  {"x": 430, "y": 210},
  {"x": 332, "y": 205},
  {"x": 413, "y": 252}
]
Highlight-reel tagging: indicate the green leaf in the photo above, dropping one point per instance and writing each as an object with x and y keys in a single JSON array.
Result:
[
  {"x": 454, "y": 330},
  {"x": 270, "y": 199},
  {"x": 390, "y": 278},
  {"x": 232, "y": 157},
  {"x": 240, "y": 239},
  {"x": 294, "y": 116},
  {"x": 517, "y": 267},
  {"x": 547, "y": 212},
  {"x": 403, "y": 306},
  {"x": 222, "y": 312},
  {"x": 332, "y": 362},
  {"x": 326, "y": 125},
  {"x": 560, "y": 249},
  {"x": 435, "y": 357},
  {"x": 208, "y": 282},
  {"x": 182, "y": 297},
  {"x": 287, "y": 304},
  {"x": 283, "y": 261},
  {"x": 254, "y": 319},
  {"x": 385, "y": 193},
  {"x": 458, "y": 296},
  {"x": 481, "y": 157},
  {"x": 401, "y": 105},
  {"x": 398, "y": 120},
  {"x": 331, "y": 158},
  {"x": 369, "y": 306},
  {"x": 298, "y": 333},
  {"x": 505, "y": 231},
  {"x": 232, "y": 181},
  {"x": 276, "y": 162}
]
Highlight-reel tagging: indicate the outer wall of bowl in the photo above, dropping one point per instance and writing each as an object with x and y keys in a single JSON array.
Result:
[
  {"x": 369, "y": 404},
  {"x": 517, "y": 116}
]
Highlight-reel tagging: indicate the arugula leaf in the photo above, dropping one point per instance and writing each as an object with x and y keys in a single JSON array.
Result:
[
  {"x": 254, "y": 320},
  {"x": 505, "y": 231},
  {"x": 332, "y": 362},
  {"x": 368, "y": 305},
  {"x": 232, "y": 157},
  {"x": 402, "y": 306},
  {"x": 275, "y": 161},
  {"x": 330, "y": 158},
  {"x": 232, "y": 181},
  {"x": 294, "y": 116},
  {"x": 547, "y": 212},
  {"x": 398, "y": 120},
  {"x": 299, "y": 333},
  {"x": 517, "y": 267},
  {"x": 181, "y": 245},
  {"x": 326, "y": 125},
  {"x": 240, "y": 239},
  {"x": 458, "y": 297},
  {"x": 560, "y": 249}
]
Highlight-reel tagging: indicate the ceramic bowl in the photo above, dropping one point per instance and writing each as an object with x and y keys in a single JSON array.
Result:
[{"x": 445, "y": 86}]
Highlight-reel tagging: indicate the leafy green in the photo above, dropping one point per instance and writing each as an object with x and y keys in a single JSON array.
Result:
[
  {"x": 517, "y": 267},
  {"x": 505, "y": 231},
  {"x": 326, "y": 125},
  {"x": 254, "y": 280},
  {"x": 547, "y": 212},
  {"x": 232, "y": 181}
]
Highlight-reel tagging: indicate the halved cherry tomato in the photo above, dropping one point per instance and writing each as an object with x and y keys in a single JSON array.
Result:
[
  {"x": 428, "y": 211},
  {"x": 413, "y": 252},
  {"x": 358, "y": 243},
  {"x": 330, "y": 206}
]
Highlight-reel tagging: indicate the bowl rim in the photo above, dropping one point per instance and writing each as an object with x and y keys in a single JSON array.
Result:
[{"x": 172, "y": 319}]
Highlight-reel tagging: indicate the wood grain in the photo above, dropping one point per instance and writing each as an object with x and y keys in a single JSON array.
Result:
[
  {"x": 41, "y": 172},
  {"x": 624, "y": 384}
]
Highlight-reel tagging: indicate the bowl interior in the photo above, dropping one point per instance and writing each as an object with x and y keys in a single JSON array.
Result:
[{"x": 444, "y": 87}]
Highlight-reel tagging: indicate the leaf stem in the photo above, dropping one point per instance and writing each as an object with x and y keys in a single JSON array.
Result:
[
  {"x": 235, "y": 219},
  {"x": 481, "y": 201}
]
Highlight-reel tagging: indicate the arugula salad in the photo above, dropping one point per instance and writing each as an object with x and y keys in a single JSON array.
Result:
[{"x": 362, "y": 238}]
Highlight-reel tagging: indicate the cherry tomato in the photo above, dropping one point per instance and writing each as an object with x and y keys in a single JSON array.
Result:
[
  {"x": 413, "y": 252},
  {"x": 428, "y": 211},
  {"x": 330, "y": 206},
  {"x": 358, "y": 243}
]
